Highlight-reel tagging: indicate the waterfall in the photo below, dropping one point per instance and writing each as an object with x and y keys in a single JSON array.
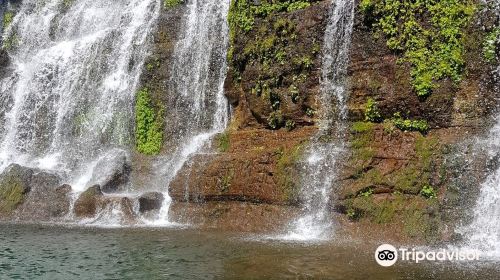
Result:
[
  {"x": 483, "y": 233},
  {"x": 196, "y": 107},
  {"x": 69, "y": 99},
  {"x": 321, "y": 156}
]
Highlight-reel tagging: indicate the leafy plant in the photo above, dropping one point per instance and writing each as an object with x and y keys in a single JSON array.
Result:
[
  {"x": 275, "y": 120},
  {"x": 490, "y": 45},
  {"x": 410, "y": 125},
  {"x": 149, "y": 125},
  {"x": 372, "y": 113},
  {"x": 428, "y": 192}
]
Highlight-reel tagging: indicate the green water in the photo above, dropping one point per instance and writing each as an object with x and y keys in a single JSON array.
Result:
[{"x": 45, "y": 252}]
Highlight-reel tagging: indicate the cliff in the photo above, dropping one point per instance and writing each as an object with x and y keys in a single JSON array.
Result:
[{"x": 407, "y": 172}]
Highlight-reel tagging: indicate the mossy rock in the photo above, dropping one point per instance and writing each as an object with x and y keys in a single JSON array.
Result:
[{"x": 14, "y": 185}]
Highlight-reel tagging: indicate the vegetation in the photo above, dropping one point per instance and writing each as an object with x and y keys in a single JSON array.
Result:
[
  {"x": 172, "y": 3},
  {"x": 149, "y": 125},
  {"x": 410, "y": 125},
  {"x": 8, "y": 17},
  {"x": 372, "y": 113},
  {"x": 11, "y": 194},
  {"x": 285, "y": 173},
  {"x": 429, "y": 34},
  {"x": 428, "y": 192},
  {"x": 269, "y": 47},
  {"x": 223, "y": 142},
  {"x": 490, "y": 45}
]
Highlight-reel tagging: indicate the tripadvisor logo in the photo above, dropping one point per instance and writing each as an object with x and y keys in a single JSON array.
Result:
[{"x": 387, "y": 255}]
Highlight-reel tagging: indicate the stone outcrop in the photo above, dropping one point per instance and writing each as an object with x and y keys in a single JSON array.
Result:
[
  {"x": 32, "y": 195},
  {"x": 150, "y": 201},
  {"x": 89, "y": 202}
]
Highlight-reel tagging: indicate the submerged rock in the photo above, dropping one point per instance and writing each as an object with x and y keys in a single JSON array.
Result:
[
  {"x": 150, "y": 201},
  {"x": 89, "y": 202}
]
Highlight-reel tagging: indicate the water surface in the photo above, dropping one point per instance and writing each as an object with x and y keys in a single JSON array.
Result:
[{"x": 54, "y": 252}]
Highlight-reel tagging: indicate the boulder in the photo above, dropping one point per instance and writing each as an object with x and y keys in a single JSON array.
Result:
[
  {"x": 112, "y": 172},
  {"x": 15, "y": 183},
  {"x": 89, "y": 202},
  {"x": 150, "y": 201},
  {"x": 48, "y": 199}
]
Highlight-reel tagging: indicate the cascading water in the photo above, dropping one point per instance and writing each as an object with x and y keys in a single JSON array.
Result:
[
  {"x": 483, "y": 233},
  {"x": 322, "y": 156},
  {"x": 196, "y": 107},
  {"x": 69, "y": 99},
  {"x": 67, "y": 104}
]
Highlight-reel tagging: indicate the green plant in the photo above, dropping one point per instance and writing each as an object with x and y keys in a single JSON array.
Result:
[
  {"x": 275, "y": 120},
  {"x": 223, "y": 142},
  {"x": 429, "y": 34},
  {"x": 310, "y": 112},
  {"x": 410, "y": 125},
  {"x": 172, "y": 3},
  {"x": 290, "y": 125},
  {"x": 149, "y": 125},
  {"x": 366, "y": 193},
  {"x": 490, "y": 45},
  {"x": 372, "y": 113},
  {"x": 8, "y": 17},
  {"x": 428, "y": 192}
]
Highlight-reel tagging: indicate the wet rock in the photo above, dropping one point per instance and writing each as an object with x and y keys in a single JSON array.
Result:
[
  {"x": 112, "y": 172},
  {"x": 150, "y": 201},
  {"x": 89, "y": 202},
  {"x": 47, "y": 200},
  {"x": 14, "y": 185}
]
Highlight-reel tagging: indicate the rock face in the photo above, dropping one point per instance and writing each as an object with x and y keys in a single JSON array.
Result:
[
  {"x": 150, "y": 201},
  {"x": 392, "y": 178}
]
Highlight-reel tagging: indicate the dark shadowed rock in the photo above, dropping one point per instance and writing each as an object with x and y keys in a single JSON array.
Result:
[
  {"x": 112, "y": 172},
  {"x": 89, "y": 202},
  {"x": 150, "y": 201}
]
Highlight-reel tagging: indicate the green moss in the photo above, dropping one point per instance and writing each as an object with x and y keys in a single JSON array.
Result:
[
  {"x": 149, "y": 125},
  {"x": 490, "y": 45},
  {"x": 429, "y": 34},
  {"x": 224, "y": 182},
  {"x": 10, "y": 42},
  {"x": 286, "y": 173},
  {"x": 8, "y": 17},
  {"x": 172, "y": 3},
  {"x": 223, "y": 142},
  {"x": 11, "y": 195}
]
